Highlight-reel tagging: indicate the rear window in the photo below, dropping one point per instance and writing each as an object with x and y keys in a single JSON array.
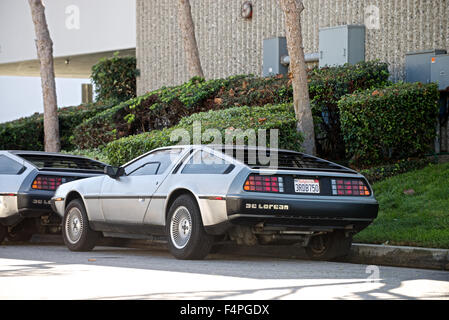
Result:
[
  {"x": 61, "y": 162},
  {"x": 281, "y": 160}
]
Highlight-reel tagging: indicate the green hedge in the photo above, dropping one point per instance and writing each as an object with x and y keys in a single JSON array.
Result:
[
  {"x": 227, "y": 121},
  {"x": 115, "y": 78},
  {"x": 155, "y": 110},
  {"x": 395, "y": 122},
  {"x": 28, "y": 133},
  {"x": 166, "y": 106},
  {"x": 326, "y": 86},
  {"x": 96, "y": 154}
]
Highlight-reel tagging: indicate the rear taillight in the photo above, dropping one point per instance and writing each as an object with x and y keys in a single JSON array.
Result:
[
  {"x": 349, "y": 187},
  {"x": 47, "y": 182},
  {"x": 259, "y": 183}
]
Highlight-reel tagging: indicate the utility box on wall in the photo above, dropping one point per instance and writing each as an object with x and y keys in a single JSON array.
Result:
[
  {"x": 419, "y": 65},
  {"x": 342, "y": 44},
  {"x": 273, "y": 50},
  {"x": 439, "y": 71}
]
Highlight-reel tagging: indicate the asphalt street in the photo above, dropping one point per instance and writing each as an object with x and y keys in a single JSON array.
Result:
[{"x": 53, "y": 272}]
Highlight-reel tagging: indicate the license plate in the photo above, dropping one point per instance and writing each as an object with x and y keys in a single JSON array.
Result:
[{"x": 307, "y": 186}]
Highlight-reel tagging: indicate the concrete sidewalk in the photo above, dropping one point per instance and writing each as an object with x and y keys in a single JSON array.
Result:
[{"x": 370, "y": 254}]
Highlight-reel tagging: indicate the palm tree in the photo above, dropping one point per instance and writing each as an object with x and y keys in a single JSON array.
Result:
[
  {"x": 187, "y": 27},
  {"x": 292, "y": 10},
  {"x": 44, "y": 47}
]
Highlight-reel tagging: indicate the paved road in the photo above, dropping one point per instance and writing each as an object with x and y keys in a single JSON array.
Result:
[{"x": 52, "y": 272}]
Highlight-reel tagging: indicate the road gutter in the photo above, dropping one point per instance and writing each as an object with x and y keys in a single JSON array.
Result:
[{"x": 369, "y": 254}]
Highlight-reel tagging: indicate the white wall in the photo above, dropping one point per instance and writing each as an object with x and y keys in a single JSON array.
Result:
[
  {"x": 76, "y": 27},
  {"x": 22, "y": 96}
]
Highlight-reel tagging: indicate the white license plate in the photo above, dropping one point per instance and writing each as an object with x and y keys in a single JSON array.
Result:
[{"x": 307, "y": 186}]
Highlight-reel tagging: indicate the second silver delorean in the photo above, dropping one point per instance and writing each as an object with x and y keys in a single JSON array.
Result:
[{"x": 197, "y": 195}]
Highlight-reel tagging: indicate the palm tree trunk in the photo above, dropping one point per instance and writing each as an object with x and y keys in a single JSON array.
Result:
[
  {"x": 44, "y": 46},
  {"x": 187, "y": 27},
  {"x": 301, "y": 101}
]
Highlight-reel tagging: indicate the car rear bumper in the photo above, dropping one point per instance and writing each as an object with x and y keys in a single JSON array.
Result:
[
  {"x": 24, "y": 205},
  {"x": 302, "y": 214}
]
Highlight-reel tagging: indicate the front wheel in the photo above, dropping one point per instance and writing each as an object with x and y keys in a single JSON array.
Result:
[
  {"x": 77, "y": 234},
  {"x": 187, "y": 238},
  {"x": 329, "y": 246}
]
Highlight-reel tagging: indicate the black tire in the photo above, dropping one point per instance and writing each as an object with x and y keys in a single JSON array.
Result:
[
  {"x": 3, "y": 232},
  {"x": 22, "y": 232},
  {"x": 77, "y": 234},
  {"x": 192, "y": 242},
  {"x": 329, "y": 246}
]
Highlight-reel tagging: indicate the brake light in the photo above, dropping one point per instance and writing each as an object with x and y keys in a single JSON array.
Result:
[
  {"x": 349, "y": 187},
  {"x": 260, "y": 183},
  {"x": 47, "y": 182}
]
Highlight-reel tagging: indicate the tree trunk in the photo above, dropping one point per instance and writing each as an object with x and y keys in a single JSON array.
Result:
[
  {"x": 301, "y": 101},
  {"x": 44, "y": 47},
  {"x": 185, "y": 22}
]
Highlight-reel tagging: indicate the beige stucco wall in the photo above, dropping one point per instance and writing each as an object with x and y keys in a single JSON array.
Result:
[{"x": 231, "y": 45}]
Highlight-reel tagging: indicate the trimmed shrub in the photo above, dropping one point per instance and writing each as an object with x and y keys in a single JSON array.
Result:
[
  {"x": 227, "y": 122},
  {"x": 96, "y": 154},
  {"x": 326, "y": 87},
  {"x": 166, "y": 106},
  {"x": 115, "y": 78},
  {"x": 28, "y": 133},
  {"x": 396, "y": 122},
  {"x": 155, "y": 110}
]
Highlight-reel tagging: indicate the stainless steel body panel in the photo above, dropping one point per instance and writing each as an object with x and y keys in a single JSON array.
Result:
[{"x": 144, "y": 200}]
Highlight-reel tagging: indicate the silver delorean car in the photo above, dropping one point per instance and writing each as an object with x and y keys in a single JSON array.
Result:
[
  {"x": 28, "y": 180},
  {"x": 197, "y": 195}
]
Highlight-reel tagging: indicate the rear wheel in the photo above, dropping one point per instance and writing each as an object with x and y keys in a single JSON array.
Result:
[
  {"x": 329, "y": 246},
  {"x": 77, "y": 234},
  {"x": 187, "y": 238},
  {"x": 22, "y": 232},
  {"x": 3, "y": 232}
]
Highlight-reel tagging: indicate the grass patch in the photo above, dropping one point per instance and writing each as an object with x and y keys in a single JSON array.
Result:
[{"x": 418, "y": 219}]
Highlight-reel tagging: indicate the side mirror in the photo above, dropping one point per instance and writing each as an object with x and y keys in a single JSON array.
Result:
[{"x": 113, "y": 172}]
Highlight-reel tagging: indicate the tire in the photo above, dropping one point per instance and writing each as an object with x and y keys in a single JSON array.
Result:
[
  {"x": 329, "y": 246},
  {"x": 3, "y": 232},
  {"x": 22, "y": 232},
  {"x": 187, "y": 239},
  {"x": 77, "y": 234}
]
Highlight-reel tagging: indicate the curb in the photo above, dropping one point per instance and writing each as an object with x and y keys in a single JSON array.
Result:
[
  {"x": 399, "y": 256},
  {"x": 369, "y": 254}
]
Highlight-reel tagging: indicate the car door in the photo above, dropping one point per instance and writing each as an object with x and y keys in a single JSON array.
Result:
[{"x": 126, "y": 198}]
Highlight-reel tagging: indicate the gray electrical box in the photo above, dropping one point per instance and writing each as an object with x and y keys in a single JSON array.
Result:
[
  {"x": 439, "y": 71},
  {"x": 273, "y": 50},
  {"x": 418, "y": 65},
  {"x": 341, "y": 44}
]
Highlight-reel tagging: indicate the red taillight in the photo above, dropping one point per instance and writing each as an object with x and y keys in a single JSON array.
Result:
[
  {"x": 349, "y": 187},
  {"x": 47, "y": 182},
  {"x": 261, "y": 183}
]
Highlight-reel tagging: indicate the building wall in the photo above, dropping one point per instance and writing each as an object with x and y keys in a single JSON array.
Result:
[
  {"x": 231, "y": 45},
  {"x": 77, "y": 27}
]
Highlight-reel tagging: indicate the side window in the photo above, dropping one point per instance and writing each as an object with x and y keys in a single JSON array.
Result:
[
  {"x": 147, "y": 169},
  {"x": 9, "y": 166},
  {"x": 154, "y": 163},
  {"x": 203, "y": 162}
]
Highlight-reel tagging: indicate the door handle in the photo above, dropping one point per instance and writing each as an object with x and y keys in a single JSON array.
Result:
[{"x": 141, "y": 200}]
